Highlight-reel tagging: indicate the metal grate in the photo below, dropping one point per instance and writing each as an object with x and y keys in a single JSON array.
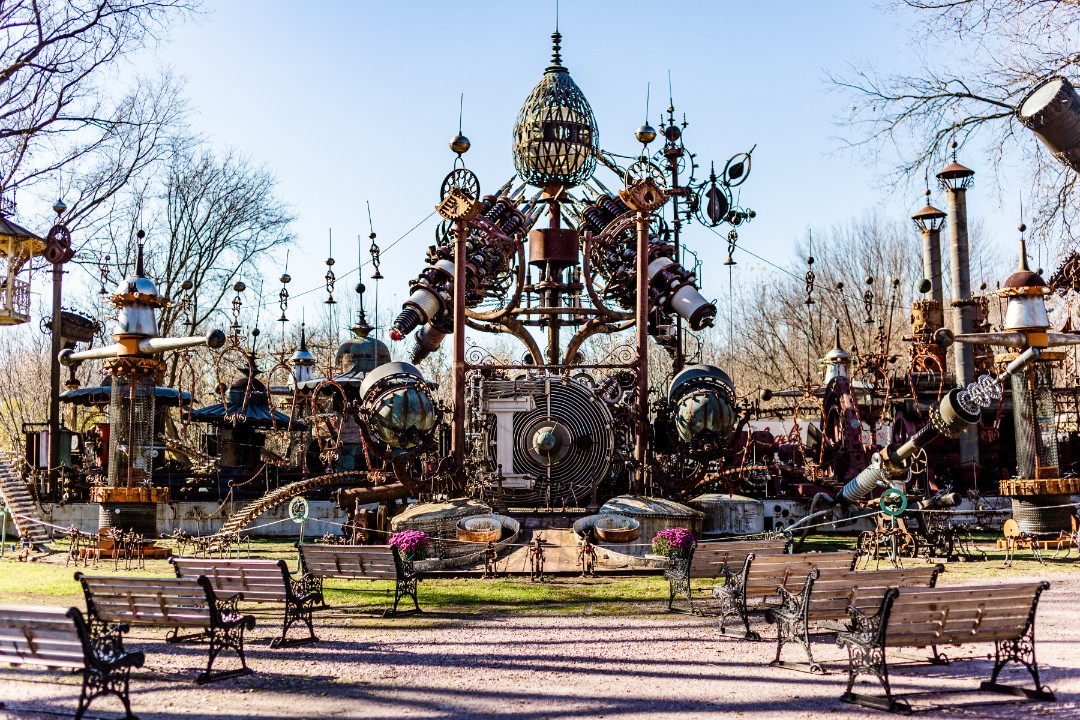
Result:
[
  {"x": 1036, "y": 423},
  {"x": 131, "y": 442}
]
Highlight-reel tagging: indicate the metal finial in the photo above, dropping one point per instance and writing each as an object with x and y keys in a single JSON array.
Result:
[
  {"x": 139, "y": 271},
  {"x": 556, "y": 45}
]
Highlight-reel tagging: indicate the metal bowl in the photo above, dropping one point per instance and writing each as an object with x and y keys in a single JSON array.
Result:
[
  {"x": 616, "y": 528},
  {"x": 480, "y": 528}
]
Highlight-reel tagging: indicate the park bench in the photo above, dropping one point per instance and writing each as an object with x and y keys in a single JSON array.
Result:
[
  {"x": 56, "y": 637},
  {"x": 260, "y": 581},
  {"x": 925, "y": 617},
  {"x": 361, "y": 562},
  {"x": 759, "y": 578},
  {"x": 173, "y": 603},
  {"x": 826, "y": 597},
  {"x": 708, "y": 561}
]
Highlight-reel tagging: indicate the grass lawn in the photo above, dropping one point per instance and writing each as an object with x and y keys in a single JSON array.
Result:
[{"x": 50, "y": 581}]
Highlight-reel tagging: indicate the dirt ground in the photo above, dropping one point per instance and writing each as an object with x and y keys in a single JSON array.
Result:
[{"x": 537, "y": 665}]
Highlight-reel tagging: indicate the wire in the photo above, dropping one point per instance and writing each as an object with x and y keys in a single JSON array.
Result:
[{"x": 361, "y": 265}]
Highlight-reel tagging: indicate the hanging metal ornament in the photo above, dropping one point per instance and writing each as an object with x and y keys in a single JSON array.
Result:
[
  {"x": 868, "y": 301},
  {"x": 714, "y": 201},
  {"x": 58, "y": 248},
  {"x": 185, "y": 304},
  {"x": 330, "y": 278},
  {"x": 283, "y": 296},
  {"x": 237, "y": 303},
  {"x": 374, "y": 249},
  {"x": 738, "y": 169},
  {"x": 103, "y": 275},
  {"x": 810, "y": 277},
  {"x": 732, "y": 239}
]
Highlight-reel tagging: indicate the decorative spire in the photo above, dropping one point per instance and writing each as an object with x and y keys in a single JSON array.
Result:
[
  {"x": 139, "y": 272},
  {"x": 556, "y": 47},
  {"x": 303, "y": 337},
  {"x": 1023, "y": 249}
]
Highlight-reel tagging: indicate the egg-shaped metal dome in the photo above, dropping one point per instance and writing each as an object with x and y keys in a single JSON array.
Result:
[{"x": 556, "y": 140}]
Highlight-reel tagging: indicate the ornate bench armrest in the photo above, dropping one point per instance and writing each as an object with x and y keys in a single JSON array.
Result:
[
  {"x": 227, "y": 607},
  {"x": 864, "y": 625},
  {"x": 107, "y": 643},
  {"x": 307, "y": 586}
]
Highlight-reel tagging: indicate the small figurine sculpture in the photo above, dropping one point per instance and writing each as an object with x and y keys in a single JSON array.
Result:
[{"x": 536, "y": 559}]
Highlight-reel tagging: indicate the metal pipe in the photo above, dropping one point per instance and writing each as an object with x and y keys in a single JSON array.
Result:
[
  {"x": 963, "y": 322},
  {"x": 458, "y": 428},
  {"x": 642, "y": 331},
  {"x": 155, "y": 346},
  {"x": 54, "y": 375},
  {"x": 932, "y": 263}
]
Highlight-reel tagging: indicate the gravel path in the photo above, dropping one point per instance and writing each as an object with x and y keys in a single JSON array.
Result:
[{"x": 537, "y": 666}]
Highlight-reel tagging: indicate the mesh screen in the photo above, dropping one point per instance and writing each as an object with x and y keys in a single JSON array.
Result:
[
  {"x": 131, "y": 441},
  {"x": 1035, "y": 422}
]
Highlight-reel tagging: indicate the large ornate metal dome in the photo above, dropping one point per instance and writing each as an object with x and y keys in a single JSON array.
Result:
[{"x": 555, "y": 139}]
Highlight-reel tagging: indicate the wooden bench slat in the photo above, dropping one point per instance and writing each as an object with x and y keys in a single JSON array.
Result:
[
  {"x": 37, "y": 633},
  {"x": 915, "y": 609},
  {"x": 24, "y": 656}
]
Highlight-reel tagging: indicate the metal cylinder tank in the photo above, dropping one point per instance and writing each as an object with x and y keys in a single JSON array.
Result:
[{"x": 730, "y": 514}]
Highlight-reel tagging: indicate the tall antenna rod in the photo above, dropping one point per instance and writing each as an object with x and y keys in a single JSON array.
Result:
[{"x": 461, "y": 113}]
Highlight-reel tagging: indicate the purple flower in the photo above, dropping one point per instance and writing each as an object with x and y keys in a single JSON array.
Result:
[
  {"x": 411, "y": 543},
  {"x": 674, "y": 542}
]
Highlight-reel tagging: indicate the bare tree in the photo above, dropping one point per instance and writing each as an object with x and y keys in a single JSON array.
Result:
[
  {"x": 58, "y": 110},
  {"x": 778, "y": 338},
  {"x": 210, "y": 220},
  {"x": 992, "y": 52}
]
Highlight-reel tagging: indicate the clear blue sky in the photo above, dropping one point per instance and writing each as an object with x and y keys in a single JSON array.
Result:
[{"x": 350, "y": 102}]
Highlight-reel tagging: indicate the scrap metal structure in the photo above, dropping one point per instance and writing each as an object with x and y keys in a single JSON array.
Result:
[{"x": 557, "y": 427}]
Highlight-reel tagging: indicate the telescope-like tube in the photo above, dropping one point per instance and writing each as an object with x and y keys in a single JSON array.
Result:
[
  {"x": 147, "y": 346},
  {"x": 1052, "y": 111},
  {"x": 155, "y": 346},
  {"x": 959, "y": 410}
]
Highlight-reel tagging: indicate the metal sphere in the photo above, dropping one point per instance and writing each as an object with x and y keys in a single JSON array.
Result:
[
  {"x": 360, "y": 287},
  {"x": 672, "y": 132},
  {"x": 187, "y": 285},
  {"x": 141, "y": 234},
  {"x": 460, "y": 144},
  {"x": 1022, "y": 227},
  {"x": 239, "y": 286},
  {"x": 645, "y": 134},
  {"x": 285, "y": 278},
  {"x": 330, "y": 261},
  {"x": 59, "y": 207}
]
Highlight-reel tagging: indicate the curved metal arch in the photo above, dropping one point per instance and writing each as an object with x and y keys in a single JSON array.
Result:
[{"x": 593, "y": 327}]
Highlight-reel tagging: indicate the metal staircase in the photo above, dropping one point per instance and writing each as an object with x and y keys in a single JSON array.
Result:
[
  {"x": 21, "y": 507},
  {"x": 250, "y": 512}
]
